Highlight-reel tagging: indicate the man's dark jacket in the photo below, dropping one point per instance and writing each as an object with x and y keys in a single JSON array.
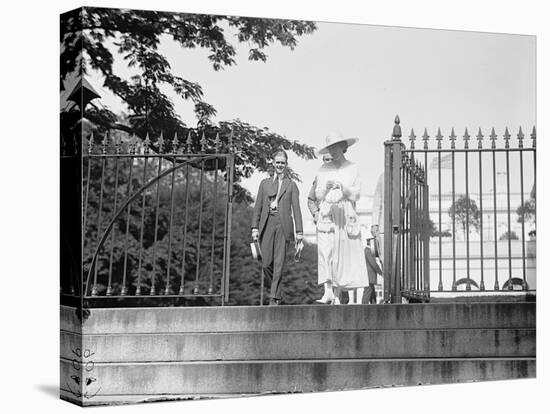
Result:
[
  {"x": 372, "y": 267},
  {"x": 288, "y": 206}
]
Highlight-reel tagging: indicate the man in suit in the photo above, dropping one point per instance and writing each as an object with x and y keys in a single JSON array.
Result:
[
  {"x": 373, "y": 270},
  {"x": 275, "y": 218}
]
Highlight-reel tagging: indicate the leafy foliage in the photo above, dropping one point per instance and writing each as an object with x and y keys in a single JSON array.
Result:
[
  {"x": 137, "y": 35},
  {"x": 427, "y": 225},
  {"x": 443, "y": 233},
  {"x": 509, "y": 236}
]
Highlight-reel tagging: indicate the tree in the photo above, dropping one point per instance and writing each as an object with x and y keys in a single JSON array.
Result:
[
  {"x": 137, "y": 34},
  {"x": 526, "y": 211},
  {"x": 443, "y": 233},
  {"x": 509, "y": 236},
  {"x": 464, "y": 211},
  {"x": 427, "y": 225}
]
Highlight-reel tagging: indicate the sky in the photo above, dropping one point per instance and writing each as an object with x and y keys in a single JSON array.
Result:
[{"x": 355, "y": 79}]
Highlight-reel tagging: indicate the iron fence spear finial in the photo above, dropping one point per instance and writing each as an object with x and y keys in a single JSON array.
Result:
[
  {"x": 534, "y": 136},
  {"x": 493, "y": 138},
  {"x": 161, "y": 143},
  {"x": 479, "y": 139},
  {"x": 438, "y": 137},
  {"x": 146, "y": 144},
  {"x": 425, "y": 138},
  {"x": 217, "y": 143},
  {"x": 203, "y": 143},
  {"x": 506, "y": 137},
  {"x": 117, "y": 142},
  {"x": 188, "y": 142},
  {"x": 466, "y": 138},
  {"x": 412, "y": 138},
  {"x": 91, "y": 143},
  {"x": 175, "y": 143},
  {"x": 105, "y": 143},
  {"x": 452, "y": 137},
  {"x": 396, "y": 134},
  {"x": 133, "y": 144},
  {"x": 520, "y": 138}
]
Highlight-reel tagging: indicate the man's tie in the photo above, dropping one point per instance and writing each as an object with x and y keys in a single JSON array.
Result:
[{"x": 276, "y": 191}]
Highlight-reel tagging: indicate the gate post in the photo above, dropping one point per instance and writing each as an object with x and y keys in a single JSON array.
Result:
[
  {"x": 392, "y": 215},
  {"x": 387, "y": 220},
  {"x": 426, "y": 237},
  {"x": 229, "y": 215}
]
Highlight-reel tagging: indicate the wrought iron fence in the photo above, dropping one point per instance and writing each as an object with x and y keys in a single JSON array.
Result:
[
  {"x": 156, "y": 218},
  {"x": 487, "y": 255}
]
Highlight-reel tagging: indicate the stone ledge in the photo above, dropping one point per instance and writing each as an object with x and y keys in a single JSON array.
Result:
[
  {"x": 157, "y": 380},
  {"x": 303, "y": 318},
  {"x": 452, "y": 343}
]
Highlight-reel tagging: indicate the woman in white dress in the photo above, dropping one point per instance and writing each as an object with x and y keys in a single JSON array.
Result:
[{"x": 341, "y": 262}]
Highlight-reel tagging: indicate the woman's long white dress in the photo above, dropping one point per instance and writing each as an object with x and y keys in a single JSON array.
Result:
[{"x": 340, "y": 250}]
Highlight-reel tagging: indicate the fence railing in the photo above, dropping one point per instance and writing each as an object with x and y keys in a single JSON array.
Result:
[
  {"x": 467, "y": 225},
  {"x": 156, "y": 217}
]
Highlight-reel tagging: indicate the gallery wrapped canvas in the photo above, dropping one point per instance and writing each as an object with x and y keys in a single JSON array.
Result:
[{"x": 385, "y": 178}]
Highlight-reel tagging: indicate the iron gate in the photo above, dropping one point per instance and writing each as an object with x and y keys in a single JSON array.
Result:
[
  {"x": 406, "y": 243},
  {"x": 156, "y": 219}
]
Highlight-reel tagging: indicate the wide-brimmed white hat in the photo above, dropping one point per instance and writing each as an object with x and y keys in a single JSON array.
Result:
[{"x": 335, "y": 138}]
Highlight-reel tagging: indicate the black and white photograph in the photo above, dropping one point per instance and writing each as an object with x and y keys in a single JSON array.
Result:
[
  {"x": 265, "y": 205},
  {"x": 288, "y": 206}
]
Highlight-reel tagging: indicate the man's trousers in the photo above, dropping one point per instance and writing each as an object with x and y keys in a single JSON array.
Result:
[
  {"x": 370, "y": 295},
  {"x": 274, "y": 245}
]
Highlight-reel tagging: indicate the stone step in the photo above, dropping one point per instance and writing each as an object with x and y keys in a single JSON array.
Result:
[
  {"x": 120, "y": 355},
  {"x": 177, "y": 347},
  {"x": 302, "y": 318},
  {"x": 134, "y": 382}
]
